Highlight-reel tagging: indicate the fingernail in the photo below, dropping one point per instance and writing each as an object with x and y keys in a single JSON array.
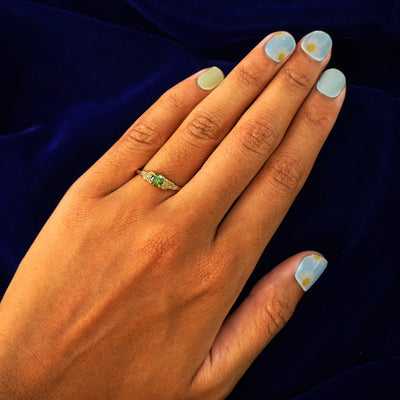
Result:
[
  {"x": 317, "y": 45},
  {"x": 309, "y": 270},
  {"x": 210, "y": 79},
  {"x": 331, "y": 82},
  {"x": 280, "y": 46}
]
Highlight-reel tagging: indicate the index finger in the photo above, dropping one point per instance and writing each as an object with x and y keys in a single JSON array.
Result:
[
  {"x": 258, "y": 133},
  {"x": 261, "y": 208}
]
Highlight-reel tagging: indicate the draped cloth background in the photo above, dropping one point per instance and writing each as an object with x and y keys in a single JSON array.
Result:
[{"x": 74, "y": 74}]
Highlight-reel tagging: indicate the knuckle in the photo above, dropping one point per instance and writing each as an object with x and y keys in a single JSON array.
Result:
[
  {"x": 318, "y": 119},
  {"x": 259, "y": 135},
  {"x": 297, "y": 80},
  {"x": 174, "y": 99},
  {"x": 275, "y": 311},
  {"x": 143, "y": 134},
  {"x": 205, "y": 126},
  {"x": 287, "y": 173},
  {"x": 250, "y": 74}
]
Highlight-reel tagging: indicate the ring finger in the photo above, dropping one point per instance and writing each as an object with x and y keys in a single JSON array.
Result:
[
  {"x": 144, "y": 137},
  {"x": 209, "y": 122},
  {"x": 257, "y": 134}
]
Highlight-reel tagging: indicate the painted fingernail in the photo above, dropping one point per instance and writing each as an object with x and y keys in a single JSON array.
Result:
[
  {"x": 309, "y": 270},
  {"x": 280, "y": 46},
  {"x": 210, "y": 79},
  {"x": 317, "y": 45},
  {"x": 331, "y": 82}
]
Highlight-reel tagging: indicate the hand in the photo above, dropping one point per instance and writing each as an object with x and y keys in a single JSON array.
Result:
[{"x": 125, "y": 291}]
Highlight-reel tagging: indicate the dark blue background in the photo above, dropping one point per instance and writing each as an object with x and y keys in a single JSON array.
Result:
[{"x": 75, "y": 74}]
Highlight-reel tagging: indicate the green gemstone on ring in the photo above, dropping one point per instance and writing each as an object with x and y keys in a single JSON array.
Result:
[{"x": 157, "y": 180}]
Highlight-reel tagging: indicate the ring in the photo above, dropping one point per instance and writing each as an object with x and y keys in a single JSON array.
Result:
[{"x": 158, "y": 180}]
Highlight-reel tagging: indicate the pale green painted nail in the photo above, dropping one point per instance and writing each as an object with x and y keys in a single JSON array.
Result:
[
  {"x": 331, "y": 82},
  {"x": 280, "y": 46},
  {"x": 210, "y": 79},
  {"x": 317, "y": 45},
  {"x": 309, "y": 270}
]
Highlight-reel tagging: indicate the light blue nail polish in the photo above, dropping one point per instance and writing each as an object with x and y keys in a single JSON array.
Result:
[
  {"x": 280, "y": 46},
  {"x": 317, "y": 45},
  {"x": 309, "y": 270},
  {"x": 331, "y": 82}
]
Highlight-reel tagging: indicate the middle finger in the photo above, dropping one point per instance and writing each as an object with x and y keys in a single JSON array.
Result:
[
  {"x": 243, "y": 152},
  {"x": 187, "y": 149}
]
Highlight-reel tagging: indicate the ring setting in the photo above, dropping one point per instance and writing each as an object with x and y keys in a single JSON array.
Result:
[{"x": 157, "y": 180}]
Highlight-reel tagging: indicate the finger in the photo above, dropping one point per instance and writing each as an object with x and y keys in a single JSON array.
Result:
[
  {"x": 259, "y": 131},
  {"x": 146, "y": 135},
  {"x": 212, "y": 119},
  {"x": 262, "y": 207},
  {"x": 246, "y": 332}
]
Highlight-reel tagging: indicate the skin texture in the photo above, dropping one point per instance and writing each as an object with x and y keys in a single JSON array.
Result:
[{"x": 125, "y": 291}]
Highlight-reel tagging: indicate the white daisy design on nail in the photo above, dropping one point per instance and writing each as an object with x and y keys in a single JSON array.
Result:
[
  {"x": 280, "y": 53},
  {"x": 317, "y": 44},
  {"x": 280, "y": 46},
  {"x": 309, "y": 270}
]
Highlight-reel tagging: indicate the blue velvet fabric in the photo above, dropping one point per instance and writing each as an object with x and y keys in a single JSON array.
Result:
[{"x": 76, "y": 73}]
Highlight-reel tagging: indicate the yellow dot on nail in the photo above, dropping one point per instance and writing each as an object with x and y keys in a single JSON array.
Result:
[
  {"x": 305, "y": 282},
  {"x": 311, "y": 47},
  {"x": 281, "y": 57},
  {"x": 279, "y": 33},
  {"x": 316, "y": 256}
]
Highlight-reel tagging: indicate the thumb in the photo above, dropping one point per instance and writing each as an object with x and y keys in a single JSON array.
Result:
[{"x": 265, "y": 311}]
